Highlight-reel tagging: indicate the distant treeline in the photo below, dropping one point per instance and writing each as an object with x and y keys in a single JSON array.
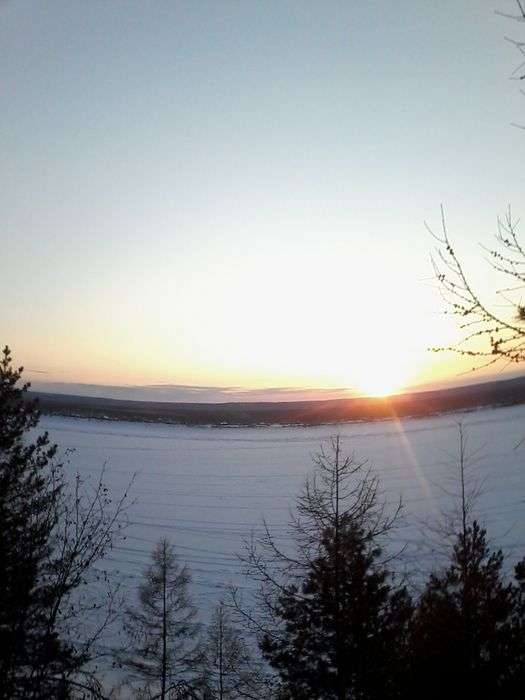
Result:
[{"x": 499, "y": 393}]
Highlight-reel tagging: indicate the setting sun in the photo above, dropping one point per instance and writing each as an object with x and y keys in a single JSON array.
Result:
[
  {"x": 381, "y": 384},
  {"x": 379, "y": 390},
  {"x": 379, "y": 374}
]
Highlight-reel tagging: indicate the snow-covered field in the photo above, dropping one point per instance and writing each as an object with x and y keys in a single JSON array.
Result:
[{"x": 206, "y": 488}]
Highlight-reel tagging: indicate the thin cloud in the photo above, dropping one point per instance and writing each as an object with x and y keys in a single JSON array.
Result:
[{"x": 183, "y": 393}]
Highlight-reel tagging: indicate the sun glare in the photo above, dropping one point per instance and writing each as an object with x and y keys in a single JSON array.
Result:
[
  {"x": 379, "y": 389},
  {"x": 382, "y": 378}
]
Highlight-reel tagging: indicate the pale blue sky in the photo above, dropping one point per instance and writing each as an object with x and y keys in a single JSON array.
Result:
[{"x": 233, "y": 193}]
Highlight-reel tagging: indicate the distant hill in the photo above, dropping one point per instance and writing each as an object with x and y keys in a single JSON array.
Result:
[{"x": 506, "y": 392}]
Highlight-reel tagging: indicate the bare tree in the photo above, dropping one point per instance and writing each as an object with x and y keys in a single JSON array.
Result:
[
  {"x": 519, "y": 72},
  {"x": 161, "y": 629},
  {"x": 230, "y": 670},
  {"x": 85, "y": 601},
  {"x": 461, "y": 485},
  {"x": 494, "y": 332}
]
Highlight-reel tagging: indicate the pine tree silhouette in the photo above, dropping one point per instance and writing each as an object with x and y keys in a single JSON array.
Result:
[
  {"x": 339, "y": 618},
  {"x": 32, "y": 657},
  {"x": 469, "y": 625}
]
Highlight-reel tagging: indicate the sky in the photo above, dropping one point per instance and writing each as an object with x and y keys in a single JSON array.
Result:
[{"x": 214, "y": 199}]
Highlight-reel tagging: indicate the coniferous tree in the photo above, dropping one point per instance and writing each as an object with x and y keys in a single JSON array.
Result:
[
  {"x": 516, "y": 672},
  {"x": 347, "y": 644},
  {"x": 163, "y": 650},
  {"x": 51, "y": 535},
  {"x": 339, "y": 618},
  {"x": 32, "y": 656},
  {"x": 469, "y": 620},
  {"x": 469, "y": 625}
]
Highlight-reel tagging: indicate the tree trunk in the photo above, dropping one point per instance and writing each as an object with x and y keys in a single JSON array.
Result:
[
  {"x": 221, "y": 640},
  {"x": 164, "y": 630},
  {"x": 341, "y": 690}
]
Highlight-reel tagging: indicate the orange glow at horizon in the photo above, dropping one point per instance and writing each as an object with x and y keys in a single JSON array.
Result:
[{"x": 369, "y": 353}]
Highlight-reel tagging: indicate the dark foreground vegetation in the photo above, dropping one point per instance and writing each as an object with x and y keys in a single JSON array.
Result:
[
  {"x": 335, "y": 616},
  {"x": 507, "y": 392}
]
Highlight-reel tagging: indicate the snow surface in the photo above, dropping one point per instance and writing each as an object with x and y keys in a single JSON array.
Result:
[{"x": 206, "y": 488}]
